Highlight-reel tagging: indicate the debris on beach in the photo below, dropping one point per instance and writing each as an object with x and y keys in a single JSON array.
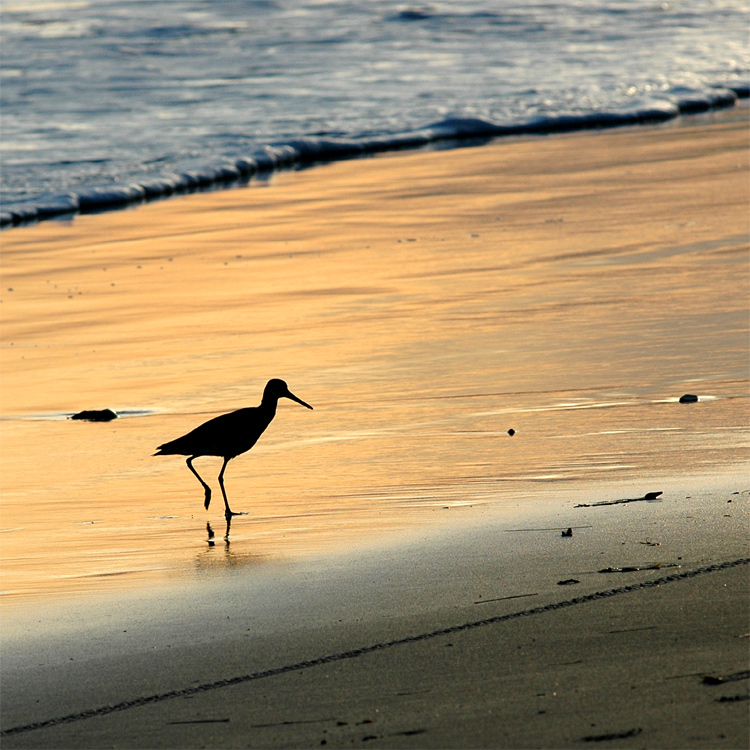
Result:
[
  {"x": 636, "y": 568},
  {"x": 721, "y": 679},
  {"x": 511, "y": 432},
  {"x": 733, "y": 698},
  {"x": 546, "y": 528},
  {"x": 568, "y": 532},
  {"x": 649, "y": 497},
  {"x": 96, "y": 415},
  {"x": 613, "y": 736},
  {"x": 688, "y": 398},
  {"x": 502, "y": 598},
  {"x": 568, "y": 582}
]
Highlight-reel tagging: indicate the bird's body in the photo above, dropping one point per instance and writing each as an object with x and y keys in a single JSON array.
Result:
[{"x": 229, "y": 435}]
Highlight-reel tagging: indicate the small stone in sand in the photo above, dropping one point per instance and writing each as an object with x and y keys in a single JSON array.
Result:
[
  {"x": 511, "y": 432},
  {"x": 96, "y": 415},
  {"x": 688, "y": 398}
]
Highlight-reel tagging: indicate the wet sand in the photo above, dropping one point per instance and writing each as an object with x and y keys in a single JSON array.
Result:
[{"x": 571, "y": 288}]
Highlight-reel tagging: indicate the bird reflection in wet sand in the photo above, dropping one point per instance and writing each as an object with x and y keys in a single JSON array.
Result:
[
  {"x": 229, "y": 435},
  {"x": 211, "y": 534}
]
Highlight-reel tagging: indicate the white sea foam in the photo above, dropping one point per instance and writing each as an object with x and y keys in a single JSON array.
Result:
[{"x": 125, "y": 92}]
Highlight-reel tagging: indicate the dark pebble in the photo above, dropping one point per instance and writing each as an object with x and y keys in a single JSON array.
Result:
[
  {"x": 688, "y": 398},
  {"x": 96, "y": 415}
]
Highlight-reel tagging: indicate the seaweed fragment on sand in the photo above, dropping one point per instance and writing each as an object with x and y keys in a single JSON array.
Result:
[
  {"x": 637, "y": 568},
  {"x": 648, "y": 497},
  {"x": 612, "y": 736}
]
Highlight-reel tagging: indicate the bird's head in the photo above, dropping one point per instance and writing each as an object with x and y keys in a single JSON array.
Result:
[{"x": 276, "y": 389}]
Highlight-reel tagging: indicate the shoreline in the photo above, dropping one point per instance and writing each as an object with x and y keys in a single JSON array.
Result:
[
  {"x": 305, "y": 153},
  {"x": 219, "y": 559}
]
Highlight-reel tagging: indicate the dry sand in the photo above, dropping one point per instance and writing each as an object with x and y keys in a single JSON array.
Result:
[{"x": 571, "y": 288}]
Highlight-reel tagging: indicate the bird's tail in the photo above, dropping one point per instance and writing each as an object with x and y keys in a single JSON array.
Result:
[{"x": 178, "y": 447}]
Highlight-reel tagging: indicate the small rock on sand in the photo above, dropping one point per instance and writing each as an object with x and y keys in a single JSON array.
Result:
[
  {"x": 688, "y": 398},
  {"x": 96, "y": 415}
]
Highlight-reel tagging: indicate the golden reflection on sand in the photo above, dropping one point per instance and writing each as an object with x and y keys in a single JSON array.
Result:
[{"x": 569, "y": 288}]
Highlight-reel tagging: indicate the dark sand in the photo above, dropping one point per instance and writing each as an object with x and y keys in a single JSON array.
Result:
[{"x": 461, "y": 639}]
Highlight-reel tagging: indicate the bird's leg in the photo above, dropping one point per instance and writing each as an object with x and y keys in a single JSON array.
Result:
[
  {"x": 228, "y": 512},
  {"x": 204, "y": 485},
  {"x": 229, "y": 526}
]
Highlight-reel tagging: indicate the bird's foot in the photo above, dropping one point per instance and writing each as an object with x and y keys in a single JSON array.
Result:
[{"x": 229, "y": 514}]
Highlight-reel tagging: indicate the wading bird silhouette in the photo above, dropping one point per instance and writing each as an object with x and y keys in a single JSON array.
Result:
[{"x": 229, "y": 435}]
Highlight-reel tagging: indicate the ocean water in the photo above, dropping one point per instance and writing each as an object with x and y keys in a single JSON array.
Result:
[{"x": 112, "y": 101}]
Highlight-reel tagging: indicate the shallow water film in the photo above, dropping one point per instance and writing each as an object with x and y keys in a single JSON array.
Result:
[{"x": 569, "y": 290}]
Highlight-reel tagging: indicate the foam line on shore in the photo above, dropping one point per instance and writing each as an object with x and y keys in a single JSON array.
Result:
[
  {"x": 355, "y": 653},
  {"x": 310, "y": 150}
]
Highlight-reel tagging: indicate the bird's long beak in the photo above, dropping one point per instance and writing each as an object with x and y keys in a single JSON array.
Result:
[{"x": 290, "y": 395}]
